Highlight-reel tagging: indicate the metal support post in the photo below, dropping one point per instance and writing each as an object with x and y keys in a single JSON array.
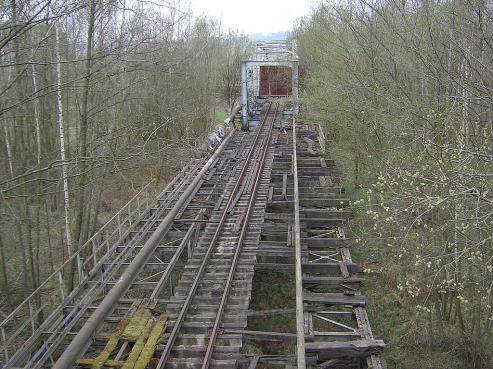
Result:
[
  {"x": 294, "y": 87},
  {"x": 244, "y": 97}
]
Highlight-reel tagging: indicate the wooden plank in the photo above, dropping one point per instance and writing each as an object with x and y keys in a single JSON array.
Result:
[
  {"x": 314, "y": 191},
  {"x": 336, "y": 203},
  {"x": 218, "y": 203},
  {"x": 264, "y": 336},
  {"x": 300, "y": 322},
  {"x": 321, "y": 203},
  {"x": 330, "y": 268},
  {"x": 137, "y": 348},
  {"x": 332, "y": 282},
  {"x": 323, "y": 222},
  {"x": 313, "y": 219},
  {"x": 322, "y": 242},
  {"x": 363, "y": 323},
  {"x": 338, "y": 349},
  {"x": 289, "y": 239},
  {"x": 274, "y": 266},
  {"x": 313, "y": 171},
  {"x": 254, "y": 362},
  {"x": 278, "y": 216},
  {"x": 151, "y": 343},
  {"x": 270, "y": 312},
  {"x": 344, "y": 269},
  {"x": 284, "y": 185},
  {"x": 276, "y": 251},
  {"x": 324, "y": 213},
  {"x": 324, "y": 180},
  {"x": 308, "y": 222},
  {"x": 328, "y": 364},
  {"x": 334, "y": 299},
  {"x": 99, "y": 361},
  {"x": 321, "y": 138},
  {"x": 274, "y": 227}
]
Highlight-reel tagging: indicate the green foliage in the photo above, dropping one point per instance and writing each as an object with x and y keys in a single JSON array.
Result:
[
  {"x": 220, "y": 116},
  {"x": 401, "y": 90}
]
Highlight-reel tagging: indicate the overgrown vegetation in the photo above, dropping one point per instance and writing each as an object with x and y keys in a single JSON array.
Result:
[
  {"x": 272, "y": 290},
  {"x": 97, "y": 99},
  {"x": 404, "y": 92}
]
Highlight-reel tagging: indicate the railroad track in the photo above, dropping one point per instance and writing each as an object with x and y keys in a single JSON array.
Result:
[
  {"x": 305, "y": 220},
  {"x": 97, "y": 275},
  {"x": 174, "y": 287},
  {"x": 28, "y": 342},
  {"x": 221, "y": 270}
]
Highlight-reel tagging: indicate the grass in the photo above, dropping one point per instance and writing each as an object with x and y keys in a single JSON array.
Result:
[
  {"x": 272, "y": 290},
  {"x": 279, "y": 286},
  {"x": 220, "y": 116}
]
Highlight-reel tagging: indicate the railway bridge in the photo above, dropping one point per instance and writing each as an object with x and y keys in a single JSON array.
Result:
[{"x": 240, "y": 262}]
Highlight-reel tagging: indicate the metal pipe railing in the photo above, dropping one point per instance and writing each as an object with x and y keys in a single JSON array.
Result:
[
  {"x": 85, "y": 334},
  {"x": 97, "y": 250},
  {"x": 27, "y": 314}
]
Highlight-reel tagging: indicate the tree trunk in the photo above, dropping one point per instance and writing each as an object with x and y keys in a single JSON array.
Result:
[
  {"x": 36, "y": 116},
  {"x": 70, "y": 248},
  {"x": 4, "y": 286},
  {"x": 48, "y": 235},
  {"x": 79, "y": 236}
]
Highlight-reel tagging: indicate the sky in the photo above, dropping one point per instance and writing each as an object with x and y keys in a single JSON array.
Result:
[{"x": 254, "y": 16}]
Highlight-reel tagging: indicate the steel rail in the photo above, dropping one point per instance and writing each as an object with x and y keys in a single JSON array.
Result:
[
  {"x": 300, "y": 320},
  {"x": 71, "y": 318},
  {"x": 227, "y": 289},
  {"x": 67, "y": 261},
  {"x": 80, "y": 342},
  {"x": 44, "y": 350},
  {"x": 186, "y": 304}
]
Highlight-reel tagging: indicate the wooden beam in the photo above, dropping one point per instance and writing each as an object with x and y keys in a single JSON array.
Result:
[
  {"x": 270, "y": 312},
  {"x": 332, "y": 281},
  {"x": 337, "y": 349},
  {"x": 334, "y": 299},
  {"x": 254, "y": 362},
  {"x": 264, "y": 336},
  {"x": 334, "y": 268}
]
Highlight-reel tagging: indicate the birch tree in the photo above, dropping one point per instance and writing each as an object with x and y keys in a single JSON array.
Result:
[
  {"x": 92, "y": 97},
  {"x": 64, "y": 169}
]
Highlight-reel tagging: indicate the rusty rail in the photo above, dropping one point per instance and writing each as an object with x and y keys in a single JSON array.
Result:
[
  {"x": 300, "y": 319},
  {"x": 226, "y": 292},
  {"x": 85, "y": 334},
  {"x": 186, "y": 305}
]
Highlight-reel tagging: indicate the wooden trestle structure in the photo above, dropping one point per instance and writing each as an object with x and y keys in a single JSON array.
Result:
[{"x": 169, "y": 284}]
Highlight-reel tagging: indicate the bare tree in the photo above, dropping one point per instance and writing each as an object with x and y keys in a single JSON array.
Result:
[{"x": 61, "y": 131}]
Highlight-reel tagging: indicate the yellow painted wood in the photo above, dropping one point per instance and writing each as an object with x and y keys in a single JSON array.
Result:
[
  {"x": 114, "y": 363},
  {"x": 99, "y": 361},
  {"x": 138, "y": 346},
  {"x": 138, "y": 322},
  {"x": 138, "y": 327},
  {"x": 152, "y": 341}
]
